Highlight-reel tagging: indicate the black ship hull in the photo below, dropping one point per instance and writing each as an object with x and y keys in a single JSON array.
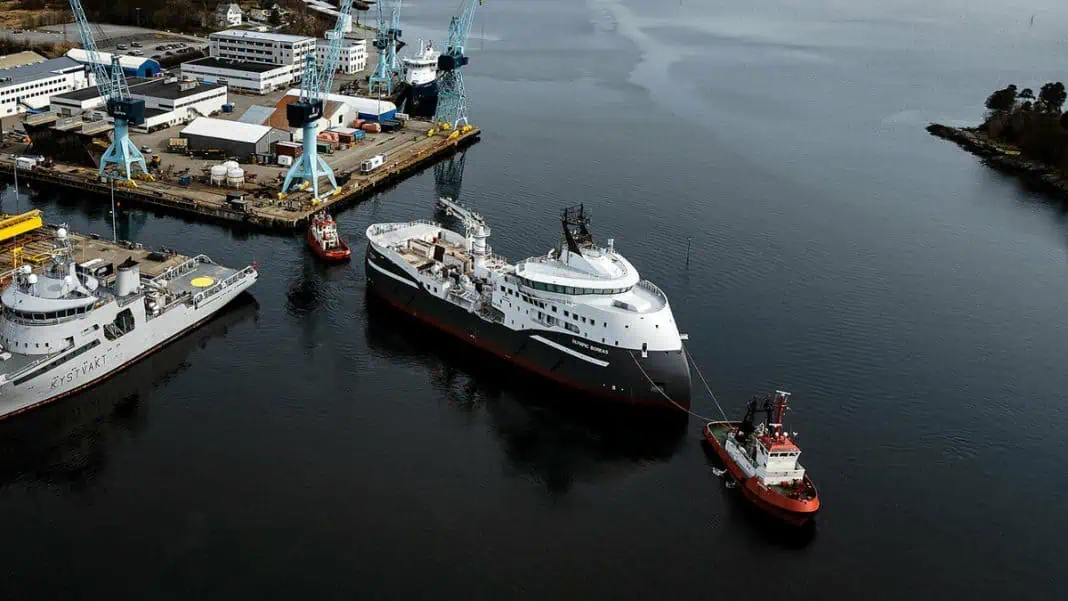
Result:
[
  {"x": 607, "y": 373},
  {"x": 418, "y": 101}
]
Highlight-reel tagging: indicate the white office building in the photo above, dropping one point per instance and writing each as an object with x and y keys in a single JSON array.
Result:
[
  {"x": 258, "y": 78},
  {"x": 353, "y": 56},
  {"x": 167, "y": 101},
  {"x": 32, "y": 87},
  {"x": 258, "y": 47}
]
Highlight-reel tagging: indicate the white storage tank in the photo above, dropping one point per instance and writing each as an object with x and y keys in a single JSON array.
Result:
[
  {"x": 218, "y": 175},
  {"x": 235, "y": 177},
  {"x": 231, "y": 165}
]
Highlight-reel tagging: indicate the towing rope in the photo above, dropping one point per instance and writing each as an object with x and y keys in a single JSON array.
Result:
[
  {"x": 703, "y": 381},
  {"x": 671, "y": 400}
]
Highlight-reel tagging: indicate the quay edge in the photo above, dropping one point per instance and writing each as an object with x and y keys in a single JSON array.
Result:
[{"x": 357, "y": 188}]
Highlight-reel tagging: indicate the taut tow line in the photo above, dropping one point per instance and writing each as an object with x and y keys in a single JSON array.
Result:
[{"x": 671, "y": 400}]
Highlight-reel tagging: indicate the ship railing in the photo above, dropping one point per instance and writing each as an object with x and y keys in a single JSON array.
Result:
[
  {"x": 179, "y": 270},
  {"x": 385, "y": 228},
  {"x": 654, "y": 289},
  {"x": 207, "y": 293}
]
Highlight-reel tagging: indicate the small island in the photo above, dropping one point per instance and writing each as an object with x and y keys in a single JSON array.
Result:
[{"x": 1023, "y": 133}]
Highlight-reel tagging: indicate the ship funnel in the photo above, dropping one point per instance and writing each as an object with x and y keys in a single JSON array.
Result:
[{"x": 128, "y": 280}]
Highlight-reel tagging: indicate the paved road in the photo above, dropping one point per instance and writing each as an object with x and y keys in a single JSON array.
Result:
[{"x": 104, "y": 34}]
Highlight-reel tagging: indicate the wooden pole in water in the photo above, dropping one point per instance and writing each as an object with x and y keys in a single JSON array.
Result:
[{"x": 689, "y": 239}]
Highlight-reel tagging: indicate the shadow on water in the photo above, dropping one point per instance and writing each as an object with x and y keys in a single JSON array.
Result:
[
  {"x": 740, "y": 511},
  {"x": 66, "y": 443},
  {"x": 551, "y": 435},
  {"x": 307, "y": 290}
]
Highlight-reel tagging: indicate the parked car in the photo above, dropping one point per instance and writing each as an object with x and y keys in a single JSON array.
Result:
[
  {"x": 168, "y": 53},
  {"x": 137, "y": 52},
  {"x": 161, "y": 47},
  {"x": 16, "y": 31},
  {"x": 146, "y": 149},
  {"x": 135, "y": 44},
  {"x": 122, "y": 46},
  {"x": 157, "y": 56}
]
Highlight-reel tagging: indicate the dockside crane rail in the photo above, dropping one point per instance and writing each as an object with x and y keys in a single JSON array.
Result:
[
  {"x": 120, "y": 106},
  {"x": 305, "y": 113},
  {"x": 452, "y": 97}
]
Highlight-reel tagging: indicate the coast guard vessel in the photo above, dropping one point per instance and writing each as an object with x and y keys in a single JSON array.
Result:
[
  {"x": 64, "y": 330},
  {"x": 579, "y": 315}
]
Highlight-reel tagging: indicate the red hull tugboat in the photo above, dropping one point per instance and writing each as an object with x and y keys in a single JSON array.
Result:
[
  {"x": 762, "y": 459},
  {"x": 323, "y": 239}
]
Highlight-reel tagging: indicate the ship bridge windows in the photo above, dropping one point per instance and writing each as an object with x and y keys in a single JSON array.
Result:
[
  {"x": 46, "y": 315},
  {"x": 571, "y": 290}
]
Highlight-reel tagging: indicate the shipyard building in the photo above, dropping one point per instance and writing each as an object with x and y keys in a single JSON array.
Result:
[
  {"x": 132, "y": 66},
  {"x": 167, "y": 101},
  {"x": 31, "y": 87},
  {"x": 237, "y": 139}
]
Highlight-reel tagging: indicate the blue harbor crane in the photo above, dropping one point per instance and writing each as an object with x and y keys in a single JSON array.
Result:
[
  {"x": 123, "y": 109},
  {"x": 387, "y": 32},
  {"x": 452, "y": 98},
  {"x": 308, "y": 109}
]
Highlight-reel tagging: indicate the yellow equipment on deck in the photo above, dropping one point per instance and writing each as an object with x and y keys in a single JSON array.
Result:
[{"x": 20, "y": 224}]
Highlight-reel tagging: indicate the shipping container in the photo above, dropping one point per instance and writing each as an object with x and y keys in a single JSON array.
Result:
[
  {"x": 371, "y": 128},
  {"x": 290, "y": 149}
]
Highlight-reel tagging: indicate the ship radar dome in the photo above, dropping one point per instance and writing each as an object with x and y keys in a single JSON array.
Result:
[
  {"x": 61, "y": 233},
  {"x": 32, "y": 278}
]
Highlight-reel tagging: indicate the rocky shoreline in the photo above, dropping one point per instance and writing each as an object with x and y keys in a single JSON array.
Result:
[{"x": 1005, "y": 158}]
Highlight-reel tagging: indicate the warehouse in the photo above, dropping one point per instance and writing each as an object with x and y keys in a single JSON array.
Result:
[
  {"x": 132, "y": 66},
  {"x": 167, "y": 101},
  {"x": 236, "y": 138},
  {"x": 359, "y": 107},
  {"x": 259, "y": 78}
]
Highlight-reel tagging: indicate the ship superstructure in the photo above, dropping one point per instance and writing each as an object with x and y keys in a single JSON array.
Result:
[
  {"x": 419, "y": 84},
  {"x": 579, "y": 315},
  {"x": 65, "y": 329}
]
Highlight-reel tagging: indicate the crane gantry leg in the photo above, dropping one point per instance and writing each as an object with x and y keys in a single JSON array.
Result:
[{"x": 123, "y": 152}]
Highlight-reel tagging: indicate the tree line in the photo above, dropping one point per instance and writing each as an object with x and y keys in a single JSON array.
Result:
[{"x": 1033, "y": 123}]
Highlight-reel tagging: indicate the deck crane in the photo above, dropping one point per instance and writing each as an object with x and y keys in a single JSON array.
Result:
[
  {"x": 452, "y": 99},
  {"x": 387, "y": 32},
  {"x": 120, "y": 106},
  {"x": 308, "y": 109}
]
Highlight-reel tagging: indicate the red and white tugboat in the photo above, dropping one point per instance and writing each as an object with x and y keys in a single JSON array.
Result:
[
  {"x": 762, "y": 459},
  {"x": 323, "y": 239}
]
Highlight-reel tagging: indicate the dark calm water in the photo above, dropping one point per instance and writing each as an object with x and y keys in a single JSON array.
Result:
[{"x": 310, "y": 444}]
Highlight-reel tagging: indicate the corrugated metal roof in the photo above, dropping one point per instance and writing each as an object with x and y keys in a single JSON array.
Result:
[
  {"x": 222, "y": 128},
  {"x": 279, "y": 120},
  {"x": 125, "y": 61},
  {"x": 361, "y": 104},
  {"x": 256, "y": 114}
]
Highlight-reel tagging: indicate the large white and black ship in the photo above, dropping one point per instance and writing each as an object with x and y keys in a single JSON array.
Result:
[
  {"x": 65, "y": 329},
  {"x": 418, "y": 90},
  {"x": 579, "y": 315}
]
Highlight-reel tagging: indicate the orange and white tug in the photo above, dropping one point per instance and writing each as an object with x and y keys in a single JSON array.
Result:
[
  {"x": 323, "y": 239},
  {"x": 762, "y": 459}
]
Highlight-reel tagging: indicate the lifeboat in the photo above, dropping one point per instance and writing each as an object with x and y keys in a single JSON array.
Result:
[
  {"x": 323, "y": 239},
  {"x": 763, "y": 459}
]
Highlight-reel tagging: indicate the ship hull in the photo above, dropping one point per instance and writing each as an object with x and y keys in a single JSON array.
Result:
[
  {"x": 606, "y": 373},
  {"x": 419, "y": 100},
  {"x": 111, "y": 357}
]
